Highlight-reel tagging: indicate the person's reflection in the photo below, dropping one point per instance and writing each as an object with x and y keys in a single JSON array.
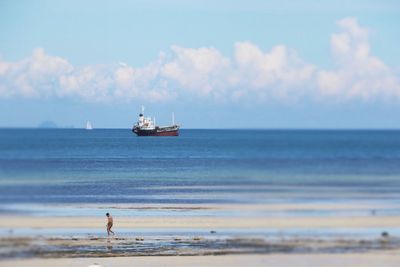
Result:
[{"x": 109, "y": 244}]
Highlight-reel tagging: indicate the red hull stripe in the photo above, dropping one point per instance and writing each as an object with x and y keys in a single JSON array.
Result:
[{"x": 166, "y": 133}]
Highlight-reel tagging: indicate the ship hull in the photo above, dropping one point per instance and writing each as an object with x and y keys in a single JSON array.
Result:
[{"x": 158, "y": 131}]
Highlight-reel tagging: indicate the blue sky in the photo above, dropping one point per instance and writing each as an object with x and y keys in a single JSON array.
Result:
[{"x": 216, "y": 64}]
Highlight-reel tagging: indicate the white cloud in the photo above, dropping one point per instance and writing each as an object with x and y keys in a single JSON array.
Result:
[
  {"x": 250, "y": 73},
  {"x": 91, "y": 82},
  {"x": 200, "y": 70},
  {"x": 358, "y": 74},
  {"x": 279, "y": 72},
  {"x": 206, "y": 72},
  {"x": 34, "y": 76}
]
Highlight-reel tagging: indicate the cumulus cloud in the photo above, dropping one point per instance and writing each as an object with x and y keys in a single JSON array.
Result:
[
  {"x": 358, "y": 73},
  {"x": 42, "y": 75},
  {"x": 34, "y": 76},
  {"x": 279, "y": 72},
  {"x": 201, "y": 71},
  {"x": 250, "y": 73},
  {"x": 206, "y": 72}
]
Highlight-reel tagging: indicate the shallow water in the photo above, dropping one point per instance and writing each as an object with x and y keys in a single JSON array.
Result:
[
  {"x": 166, "y": 233},
  {"x": 168, "y": 245},
  {"x": 40, "y": 210},
  {"x": 200, "y": 166}
]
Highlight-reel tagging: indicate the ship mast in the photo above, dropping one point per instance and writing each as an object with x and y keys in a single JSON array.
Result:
[{"x": 173, "y": 118}]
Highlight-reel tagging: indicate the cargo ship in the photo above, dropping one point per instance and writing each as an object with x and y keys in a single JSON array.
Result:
[{"x": 147, "y": 127}]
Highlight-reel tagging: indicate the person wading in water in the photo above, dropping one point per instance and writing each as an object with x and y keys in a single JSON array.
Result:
[{"x": 109, "y": 224}]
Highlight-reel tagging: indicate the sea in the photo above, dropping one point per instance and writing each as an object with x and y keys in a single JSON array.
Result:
[{"x": 67, "y": 167}]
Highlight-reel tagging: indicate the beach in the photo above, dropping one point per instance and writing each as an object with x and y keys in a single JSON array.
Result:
[
  {"x": 278, "y": 260},
  {"x": 209, "y": 218},
  {"x": 209, "y": 238}
]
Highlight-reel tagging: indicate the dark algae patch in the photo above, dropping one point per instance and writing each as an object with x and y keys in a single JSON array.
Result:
[{"x": 183, "y": 246}]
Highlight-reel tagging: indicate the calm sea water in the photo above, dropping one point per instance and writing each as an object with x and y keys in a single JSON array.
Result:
[{"x": 200, "y": 166}]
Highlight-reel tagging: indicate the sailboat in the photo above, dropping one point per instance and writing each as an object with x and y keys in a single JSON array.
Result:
[{"x": 89, "y": 126}]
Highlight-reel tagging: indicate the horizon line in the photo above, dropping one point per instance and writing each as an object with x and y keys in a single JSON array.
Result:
[{"x": 227, "y": 128}]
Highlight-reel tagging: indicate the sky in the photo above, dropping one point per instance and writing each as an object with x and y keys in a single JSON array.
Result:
[{"x": 215, "y": 64}]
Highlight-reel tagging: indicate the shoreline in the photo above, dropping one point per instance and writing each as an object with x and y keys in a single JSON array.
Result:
[
  {"x": 11, "y": 222},
  {"x": 200, "y": 230},
  {"x": 186, "y": 245}
]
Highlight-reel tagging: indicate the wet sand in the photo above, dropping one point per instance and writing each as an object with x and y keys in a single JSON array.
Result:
[
  {"x": 201, "y": 222},
  {"x": 211, "y": 216},
  {"x": 277, "y": 260},
  {"x": 186, "y": 245},
  {"x": 80, "y": 240}
]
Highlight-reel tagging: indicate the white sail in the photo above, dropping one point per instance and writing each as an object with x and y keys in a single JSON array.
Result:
[{"x": 88, "y": 125}]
